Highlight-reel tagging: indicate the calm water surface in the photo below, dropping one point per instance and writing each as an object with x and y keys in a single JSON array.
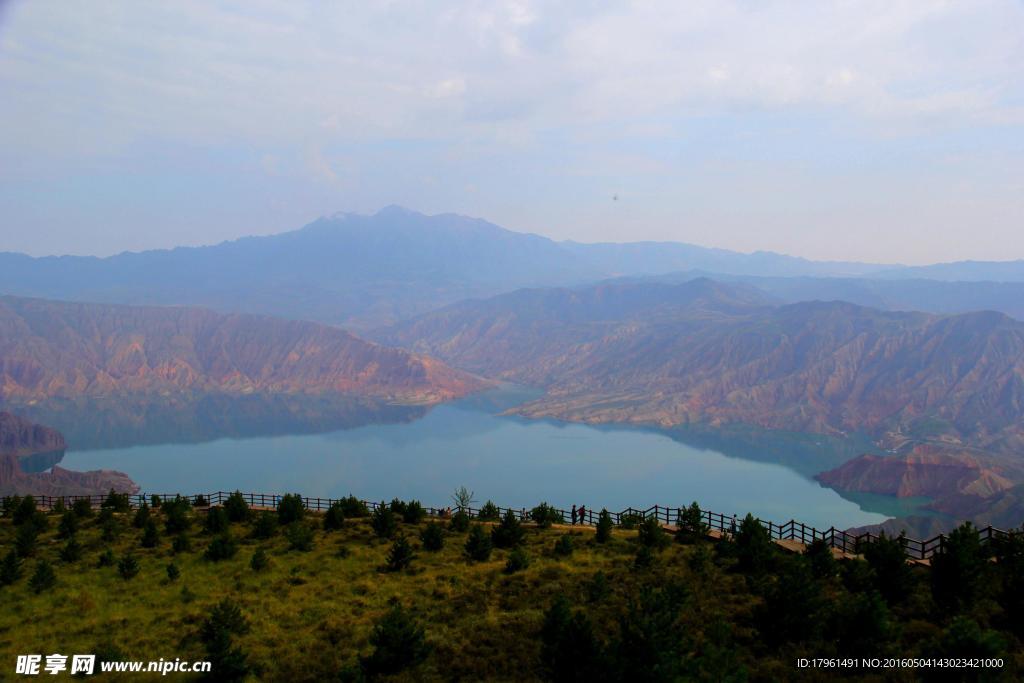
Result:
[{"x": 512, "y": 461}]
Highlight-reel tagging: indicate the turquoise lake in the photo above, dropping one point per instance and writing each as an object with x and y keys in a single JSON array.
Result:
[{"x": 426, "y": 454}]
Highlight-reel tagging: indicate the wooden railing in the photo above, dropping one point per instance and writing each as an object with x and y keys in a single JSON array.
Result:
[{"x": 725, "y": 524}]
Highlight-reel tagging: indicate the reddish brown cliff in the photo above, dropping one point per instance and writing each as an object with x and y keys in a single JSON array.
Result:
[
  {"x": 59, "y": 481},
  {"x": 19, "y": 436}
]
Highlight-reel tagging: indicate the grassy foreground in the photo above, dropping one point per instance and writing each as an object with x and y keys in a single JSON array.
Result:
[{"x": 327, "y": 606}]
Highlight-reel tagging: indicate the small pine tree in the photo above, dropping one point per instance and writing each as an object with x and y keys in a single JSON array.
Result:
[
  {"x": 10, "y": 568},
  {"x": 401, "y": 555},
  {"x": 236, "y": 508},
  {"x": 644, "y": 557},
  {"x": 141, "y": 516},
  {"x": 960, "y": 570},
  {"x": 563, "y": 546},
  {"x": 413, "y": 513},
  {"x": 517, "y": 561},
  {"x": 459, "y": 522},
  {"x": 265, "y": 525},
  {"x": 222, "y": 547},
  {"x": 478, "y": 544},
  {"x": 181, "y": 544},
  {"x": 603, "y": 530},
  {"x": 116, "y": 502},
  {"x": 173, "y": 572},
  {"x": 128, "y": 567},
  {"x": 150, "y": 536},
  {"x": 110, "y": 529},
  {"x": 43, "y": 579},
  {"x": 888, "y": 558},
  {"x": 68, "y": 525},
  {"x": 154, "y": 501},
  {"x": 177, "y": 517},
  {"x": 334, "y": 518},
  {"x": 399, "y": 643},
  {"x": 823, "y": 564},
  {"x": 651, "y": 534},
  {"x": 383, "y": 521},
  {"x": 225, "y": 621},
  {"x": 259, "y": 560},
  {"x": 690, "y": 524},
  {"x": 352, "y": 507},
  {"x": 398, "y": 507},
  {"x": 545, "y": 515},
  {"x": 59, "y": 508},
  {"x": 300, "y": 537},
  {"x": 432, "y": 537},
  {"x": 290, "y": 509},
  {"x": 509, "y": 533},
  {"x": 201, "y": 501},
  {"x": 106, "y": 558},
  {"x": 489, "y": 513},
  {"x": 598, "y": 588},
  {"x": 82, "y": 508},
  {"x": 24, "y": 510},
  {"x": 25, "y": 541},
  {"x": 71, "y": 552},
  {"x": 754, "y": 547},
  {"x": 216, "y": 521}
]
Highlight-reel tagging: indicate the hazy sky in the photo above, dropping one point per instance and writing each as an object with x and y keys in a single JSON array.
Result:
[{"x": 872, "y": 130}]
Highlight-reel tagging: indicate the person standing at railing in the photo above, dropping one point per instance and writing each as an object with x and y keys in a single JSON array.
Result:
[
  {"x": 583, "y": 514},
  {"x": 574, "y": 514}
]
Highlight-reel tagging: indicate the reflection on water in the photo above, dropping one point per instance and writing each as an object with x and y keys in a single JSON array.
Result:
[{"x": 381, "y": 452}]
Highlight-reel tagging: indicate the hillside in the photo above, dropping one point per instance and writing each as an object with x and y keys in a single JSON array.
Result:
[
  {"x": 20, "y": 437},
  {"x": 54, "y": 349},
  {"x": 302, "y": 603},
  {"x": 718, "y": 355}
]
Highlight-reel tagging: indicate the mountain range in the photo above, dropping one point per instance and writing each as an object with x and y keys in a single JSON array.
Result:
[
  {"x": 52, "y": 349},
  {"x": 363, "y": 272}
]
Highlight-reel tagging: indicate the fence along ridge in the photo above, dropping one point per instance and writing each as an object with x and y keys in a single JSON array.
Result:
[{"x": 716, "y": 521}]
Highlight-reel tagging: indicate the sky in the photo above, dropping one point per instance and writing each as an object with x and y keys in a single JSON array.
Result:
[{"x": 873, "y": 130}]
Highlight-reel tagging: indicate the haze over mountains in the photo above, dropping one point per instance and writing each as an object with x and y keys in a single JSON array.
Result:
[{"x": 363, "y": 272}]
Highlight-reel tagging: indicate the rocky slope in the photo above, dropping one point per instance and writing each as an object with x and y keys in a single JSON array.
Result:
[
  {"x": 59, "y": 481},
  {"x": 717, "y": 356},
  {"x": 57, "y": 349},
  {"x": 21, "y": 437}
]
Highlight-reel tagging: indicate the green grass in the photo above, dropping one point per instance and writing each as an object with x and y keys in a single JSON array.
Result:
[{"x": 312, "y": 613}]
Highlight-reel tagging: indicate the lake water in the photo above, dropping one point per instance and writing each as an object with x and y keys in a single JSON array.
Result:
[{"x": 512, "y": 461}]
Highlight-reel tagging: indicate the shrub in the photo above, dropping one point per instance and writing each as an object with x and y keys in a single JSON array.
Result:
[
  {"x": 201, "y": 501},
  {"x": 690, "y": 524},
  {"x": 432, "y": 537},
  {"x": 478, "y": 544},
  {"x": 25, "y": 541},
  {"x": 414, "y": 512},
  {"x": 127, "y": 567},
  {"x": 177, "y": 517},
  {"x": 181, "y": 544},
  {"x": 68, "y": 525},
  {"x": 563, "y": 546},
  {"x": 116, "y": 502},
  {"x": 630, "y": 520},
  {"x": 334, "y": 518},
  {"x": 651, "y": 534},
  {"x": 862, "y": 624},
  {"x": 43, "y": 579},
  {"x": 518, "y": 560},
  {"x": 259, "y": 560},
  {"x": 399, "y": 643},
  {"x": 106, "y": 558},
  {"x": 644, "y": 557},
  {"x": 459, "y": 522},
  {"x": 236, "y": 508},
  {"x": 225, "y": 621},
  {"x": 154, "y": 501},
  {"x": 71, "y": 552},
  {"x": 397, "y": 507},
  {"x": 383, "y": 521},
  {"x": 82, "y": 508},
  {"x": 489, "y": 513},
  {"x": 352, "y": 507},
  {"x": 110, "y": 530},
  {"x": 544, "y": 516},
  {"x": 754, "y": 547},
  {"x": 24, "y": 510},
  {"x": 604, "y": 527},
  {"x": 819, "y": 555},
  {"x": 960, "y": 570},
  {"x": 300, "y": 537},
  {"x": 173, "y": 572},
  {"x": 216, "y": 521},
  {"x": 400, "y": 556},
  {"x": 150, "y": 537},
  {"x": 509, "y": 533},
  {"x": 141, "y": 516},
  {"x": 222, "y": 547},
  {"x": 265, "y": 525},
  {"x": 888, "y": 559},
  {"x": 290, "y": 509},
  {"x": 10, "y": 568}
]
